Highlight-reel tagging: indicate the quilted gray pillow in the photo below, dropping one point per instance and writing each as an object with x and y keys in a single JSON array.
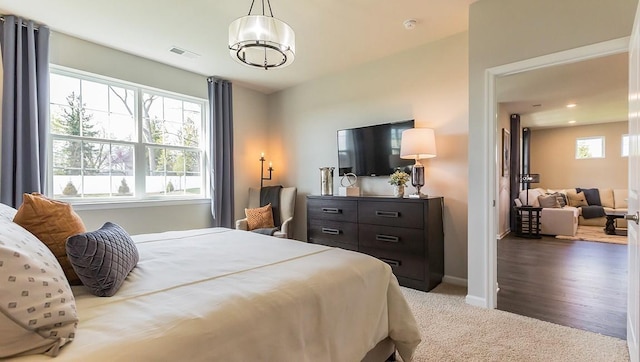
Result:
[{"x": 102, "y": 258}]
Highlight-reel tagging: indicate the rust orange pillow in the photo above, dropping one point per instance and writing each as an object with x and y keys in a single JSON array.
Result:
[
  {"x": 52, "y": 222},
  {"x": 260, "y": 217}
]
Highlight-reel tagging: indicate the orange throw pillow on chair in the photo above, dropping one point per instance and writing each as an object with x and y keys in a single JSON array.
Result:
[
  {"x": 52, "y": 222},
  {"x": 260, "y": 217}
]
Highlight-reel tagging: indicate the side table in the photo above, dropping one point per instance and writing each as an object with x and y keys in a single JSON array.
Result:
[{"x": 528, "y": 222}]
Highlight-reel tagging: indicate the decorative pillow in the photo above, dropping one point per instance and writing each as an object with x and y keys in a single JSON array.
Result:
[
  {"x": 37, "y": 308},
  {"x": 548, "y": 201},
  {"x": 103, "y": 258},
  {"x": 577, "y": 200},
  {"x": 7, "y": 212},
  {"x": 52, "y": 222},
  {"x": 260, "y": 217},
  {"x": 562, "y": 198},
  {"x": 592, "y": 196}
]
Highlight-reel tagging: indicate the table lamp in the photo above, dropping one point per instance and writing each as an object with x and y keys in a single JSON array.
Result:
[
  {"x": 527, "y": 179},
  {"x": 417, "y": 144}
]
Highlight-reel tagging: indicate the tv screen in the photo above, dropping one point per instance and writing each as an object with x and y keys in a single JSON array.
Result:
[{"x": 372, "y": 150}]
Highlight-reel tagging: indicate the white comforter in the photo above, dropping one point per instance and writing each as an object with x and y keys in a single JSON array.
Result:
[{"x": 227, "y": 295}]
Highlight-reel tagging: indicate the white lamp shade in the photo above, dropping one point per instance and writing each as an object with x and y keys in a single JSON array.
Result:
[
  {"x": 262, "y": 41},
  {"x": 418, "y": 143}
]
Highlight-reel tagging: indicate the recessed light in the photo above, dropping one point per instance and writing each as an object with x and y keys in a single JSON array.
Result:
[
  {"x": 572, "y": 122},
  {"x": 571, "y": 105},
  {"x": 536, "y": 105},
  {"x": 410, "y": 24}
]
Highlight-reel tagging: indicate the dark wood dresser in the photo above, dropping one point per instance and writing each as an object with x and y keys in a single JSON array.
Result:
[{"x": 405, "y": 233}]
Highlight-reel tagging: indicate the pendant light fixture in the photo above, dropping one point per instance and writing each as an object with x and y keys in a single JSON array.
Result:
[{"x": 262, "y": 41}]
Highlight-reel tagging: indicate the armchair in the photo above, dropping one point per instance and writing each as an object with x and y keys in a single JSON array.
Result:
[{"x": 287, "y": 207}]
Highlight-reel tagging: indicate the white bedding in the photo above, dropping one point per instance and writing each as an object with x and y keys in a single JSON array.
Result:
[{"x": 227, "y": 295}]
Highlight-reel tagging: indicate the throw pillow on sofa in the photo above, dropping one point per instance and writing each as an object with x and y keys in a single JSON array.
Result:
[
  {"x": 577, "y": 200},
  {"x": 548, "y": 201},
  {"x": 562, "y": 198},
  {"x": 591, "y": 195}
]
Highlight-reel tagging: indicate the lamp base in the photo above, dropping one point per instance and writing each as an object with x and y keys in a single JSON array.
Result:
[{"x": 418, "y": 196}]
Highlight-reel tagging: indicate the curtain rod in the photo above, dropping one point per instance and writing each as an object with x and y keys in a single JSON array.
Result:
[{"x": 22, "y": 22}]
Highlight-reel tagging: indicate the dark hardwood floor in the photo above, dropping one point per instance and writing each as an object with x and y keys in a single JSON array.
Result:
[{"x": 580, "y": 284}]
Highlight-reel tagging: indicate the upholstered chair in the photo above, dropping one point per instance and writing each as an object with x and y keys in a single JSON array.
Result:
[{"x": 287, "y": 206}]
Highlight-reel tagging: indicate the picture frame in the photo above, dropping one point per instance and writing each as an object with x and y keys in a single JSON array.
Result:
[{"x": 506, "y": 152}]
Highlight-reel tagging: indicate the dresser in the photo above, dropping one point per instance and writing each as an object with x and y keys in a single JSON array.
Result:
[{"x": 407, "y": 234}]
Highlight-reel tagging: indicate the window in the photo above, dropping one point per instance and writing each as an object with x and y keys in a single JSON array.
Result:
[
  {"x": 625, "y": 145},
  {"x": 590, "y": 147},
  {"x": 115, "y": 140}
]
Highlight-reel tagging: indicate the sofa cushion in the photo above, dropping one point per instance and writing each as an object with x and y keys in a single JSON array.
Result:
[
  {"x": 606, "y": 198},
  {"x": 620, "y": 198},
  {"x": 548, "y": 201},
  {"x": 577, "y": 199}
]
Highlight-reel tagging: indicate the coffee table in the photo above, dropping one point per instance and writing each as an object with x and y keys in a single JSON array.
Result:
[{"x": 610, "y": 227}]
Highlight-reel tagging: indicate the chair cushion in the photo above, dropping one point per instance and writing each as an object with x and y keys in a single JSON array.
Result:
[
  {"x": 52, "y": 222},
  {"x": 259, "y": 217},
  {"x": 37, "y": 307},
  {"x": 103, "y": 258}
]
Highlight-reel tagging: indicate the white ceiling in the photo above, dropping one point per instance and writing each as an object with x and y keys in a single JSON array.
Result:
[
  {"x": 598, "y": 87},
  {"x": 331, "y": 35}
]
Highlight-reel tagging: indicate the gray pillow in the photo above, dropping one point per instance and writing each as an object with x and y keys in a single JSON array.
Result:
[
  {"x": 102, "y": 258},
  {"x": 548, "y": 201}
]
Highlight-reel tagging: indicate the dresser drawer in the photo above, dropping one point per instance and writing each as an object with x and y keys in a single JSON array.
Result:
[
  {"x": 402, "y": 264},
  {"x": 321, "y": 231},
  {"x": 400, "y": 214},
  {"x": 336, "y": 244},
  {"x": 330, "y": 209},
  {"x": 392, "y": 238}
]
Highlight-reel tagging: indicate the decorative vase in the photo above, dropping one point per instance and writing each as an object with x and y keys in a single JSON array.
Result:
[{"x": 398, "y": 190}]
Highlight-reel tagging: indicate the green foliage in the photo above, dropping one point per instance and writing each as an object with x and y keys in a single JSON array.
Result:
[
  {"x": 583, "y": 151},
  {"x": 70, "y": 190},
  {"x": 170, "y": 187},
  {"x": 399, "y": 178},
  {"x": 124, "y": 188}
]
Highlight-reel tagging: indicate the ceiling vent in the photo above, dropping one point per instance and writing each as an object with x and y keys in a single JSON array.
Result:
[{"x": 183, "y": 52}]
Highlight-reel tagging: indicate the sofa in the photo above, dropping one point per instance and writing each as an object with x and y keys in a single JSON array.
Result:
[{"x": 559, "y": 219}]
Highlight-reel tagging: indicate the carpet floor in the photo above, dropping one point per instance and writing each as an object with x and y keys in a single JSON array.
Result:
[
  {"x": 455, "y": 331},
  {"x": 594, "y": 233}
]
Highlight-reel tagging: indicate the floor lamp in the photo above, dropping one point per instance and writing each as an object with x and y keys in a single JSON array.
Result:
[
  {"x": 527, "y": 179},
  {"x": 417, "y": 144}
]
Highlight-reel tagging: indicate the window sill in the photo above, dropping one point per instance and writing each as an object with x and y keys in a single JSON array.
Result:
[{"x": 110, "y": 205}]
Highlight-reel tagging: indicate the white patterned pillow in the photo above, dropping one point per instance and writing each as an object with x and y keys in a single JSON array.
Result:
[
  {"x": 7, "y": 211},
  {"x": 37, "y": 308}
]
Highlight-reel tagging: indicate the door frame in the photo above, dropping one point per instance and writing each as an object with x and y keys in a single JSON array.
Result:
[{"x": 615, "y": 46}]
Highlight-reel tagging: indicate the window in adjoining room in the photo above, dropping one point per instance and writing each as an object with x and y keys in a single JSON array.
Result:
[
  {"x": 113, "y": 140},
  {"x": 590, "y": 147},
  {"x": 625, "y": 145}
]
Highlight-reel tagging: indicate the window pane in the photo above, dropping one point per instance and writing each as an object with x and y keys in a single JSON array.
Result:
[
  {"x": 625, "y": 145},
  {"x": 122, "y": 127},
  {"x": 94, "y": 124},
  {"x": 62, "y": 87},
  {"x": 95, "y": 96},
  {"x": 67, "y": 157},
  {"x": 592, "y": 147},
  {"x": 121, "y": 100}
]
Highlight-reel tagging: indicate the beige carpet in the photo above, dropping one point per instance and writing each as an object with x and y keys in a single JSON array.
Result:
[
  {"x": 455, "y": 331},
  {"x": 594, "y": 233}
]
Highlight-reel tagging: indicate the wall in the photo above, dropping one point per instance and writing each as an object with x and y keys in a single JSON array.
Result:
[
  {"x": 428, "y": 84},
  {"x": 250, "y": 127},
  {"x": 553, "y": 157},
  {"x": 507, "y": 31}
]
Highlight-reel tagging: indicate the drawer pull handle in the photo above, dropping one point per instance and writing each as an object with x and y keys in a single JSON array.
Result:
[
  {"x": 387, "y": 213},
  {"x": 331, "y": 210},
  {"x": 387, "y": 238},
  {"x": 391, "y": 261},
  {"x": 330, "y": 231}
]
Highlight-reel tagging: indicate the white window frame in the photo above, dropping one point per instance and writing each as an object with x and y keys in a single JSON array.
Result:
[
  {"x": 600, "y": 138},
  {"x": 139, "y": 146},
  {"x": 624, "y": 141}
]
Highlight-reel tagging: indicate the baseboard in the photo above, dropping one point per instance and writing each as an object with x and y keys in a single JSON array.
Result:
[
  {"x": 455, "y": 281},
  {"x": 504, "y": 233},
  {"x": 476, "y": 301}
]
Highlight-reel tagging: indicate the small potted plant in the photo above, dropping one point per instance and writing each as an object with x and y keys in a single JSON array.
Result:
[{"x": 399, "y": 180}]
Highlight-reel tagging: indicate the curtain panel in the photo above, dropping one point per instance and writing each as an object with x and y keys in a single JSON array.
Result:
[
  {"x": 221, "y": 151},
  {"x": 25, "y": 108}
]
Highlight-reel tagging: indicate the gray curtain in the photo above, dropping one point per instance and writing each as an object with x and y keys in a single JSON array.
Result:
[
  {"x": 25, "y": 108},
  {"x": 221, "y": 151}
]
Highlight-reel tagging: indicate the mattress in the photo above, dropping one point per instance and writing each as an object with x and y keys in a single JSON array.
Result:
[{"x": 227, "y": 295}]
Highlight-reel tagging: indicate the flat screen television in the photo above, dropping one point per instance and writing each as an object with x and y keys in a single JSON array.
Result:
[{"x": 372, "y": 150}]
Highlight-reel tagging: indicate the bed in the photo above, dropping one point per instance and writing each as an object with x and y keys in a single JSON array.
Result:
[{"x": 228, "y": 295}]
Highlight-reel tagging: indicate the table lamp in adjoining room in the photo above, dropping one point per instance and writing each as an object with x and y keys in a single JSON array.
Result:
[{"x": 417, "y": 144}]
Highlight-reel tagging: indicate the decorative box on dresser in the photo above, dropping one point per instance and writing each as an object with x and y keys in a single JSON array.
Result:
[{"x": 405, "y": 233}]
